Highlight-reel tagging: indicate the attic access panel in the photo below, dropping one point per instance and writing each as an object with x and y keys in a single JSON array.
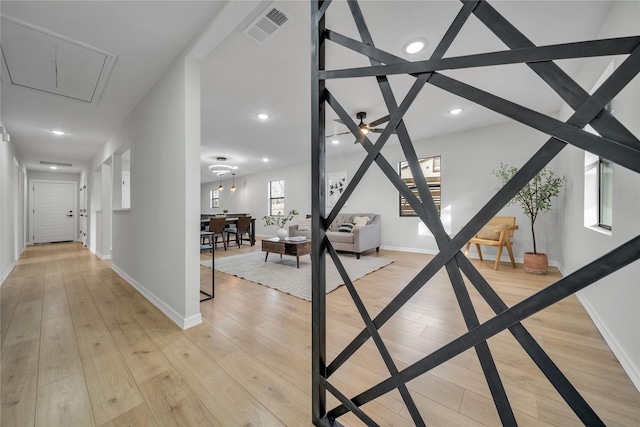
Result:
[{"x": 47, "y": 62}]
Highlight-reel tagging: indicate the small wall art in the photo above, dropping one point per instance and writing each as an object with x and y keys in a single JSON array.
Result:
[{"x": 336, "y": 184}]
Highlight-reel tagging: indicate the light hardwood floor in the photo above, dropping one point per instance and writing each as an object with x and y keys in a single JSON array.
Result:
[{"x": 80, "y": 347}]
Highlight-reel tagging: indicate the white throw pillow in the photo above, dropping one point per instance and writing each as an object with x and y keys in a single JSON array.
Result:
[
  {"x": 304, "y": 224},
  {"x": 359, "y": 221}
]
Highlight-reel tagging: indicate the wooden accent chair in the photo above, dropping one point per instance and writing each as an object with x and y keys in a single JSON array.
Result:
[
  {"x": 216, "y": 226},
  {"x": 498, "y": 232},
  {"x": 242, "y": 227}
]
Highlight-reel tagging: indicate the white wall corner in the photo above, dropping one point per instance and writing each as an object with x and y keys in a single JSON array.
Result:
[
  {"x": 191, "y": 321},
  {"x": 628, "y": 364},
  {"x": 182, "y": 322}
]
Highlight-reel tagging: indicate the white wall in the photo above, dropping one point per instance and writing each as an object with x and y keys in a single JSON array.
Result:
[
  {"x": 154, "y": 244},
  {"x": 467, "y": 184},
  {"x": 12, "y": 186},
  {"x": 614, "y": 302}
]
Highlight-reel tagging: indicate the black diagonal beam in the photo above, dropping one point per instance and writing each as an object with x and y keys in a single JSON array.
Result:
[
  {"x": 387, "y": 93},
  {"x": 553, "y": 75},
  {"x": 429, "y": 210},
  {"x": 580, "y": 279},
  {"x": 568, "y": 90},
  {"x": 504, "y": 195},
  {"x": 560, "y": 382},
  {"x": 534, "y": 54},
  {"x": 549, "y": 150},
  {"x": 395, "y": 119},
  {"x": 318, "y": 280},
  {"x": 349, "y": 404},
  {"x": 621, "y": 154},
  {"x": 553, "y": 146},
  {"x": 377, "y": 339}
]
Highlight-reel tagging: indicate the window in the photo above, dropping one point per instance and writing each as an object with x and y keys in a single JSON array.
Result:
[
  {"x": 605, "y": 193},
  {"x": 276, "y": 197},
  {"x": 431, "y": 169},
  {"x": 214, "y": 199},
  {"x": 598, "y": 179}
]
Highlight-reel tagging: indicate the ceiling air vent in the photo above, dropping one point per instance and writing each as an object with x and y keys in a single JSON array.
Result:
[
  {"x": 45, "y": 162},
  {"x": 267, "y": 24}
]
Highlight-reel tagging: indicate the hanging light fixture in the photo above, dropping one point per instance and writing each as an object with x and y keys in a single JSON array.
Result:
[
  {"x": 233, "y": 186},
  {"x": 220, "y": 187}
]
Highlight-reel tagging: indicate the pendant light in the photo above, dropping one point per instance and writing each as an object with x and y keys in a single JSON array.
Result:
[
  {"x": 233, "y": 186},
  {"x": 220, "y": 187}
]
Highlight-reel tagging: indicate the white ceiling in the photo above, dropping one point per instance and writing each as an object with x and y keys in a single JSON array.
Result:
[
  {"x": 241, "y": 77},
  {"x": 145, "y": 36}
]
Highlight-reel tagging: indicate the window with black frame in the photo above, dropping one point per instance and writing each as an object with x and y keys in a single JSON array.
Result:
[
  {"x": 605, "y": 193},
  {"x": 430, "y": 167},
  {"x": 276, "y": 197}
]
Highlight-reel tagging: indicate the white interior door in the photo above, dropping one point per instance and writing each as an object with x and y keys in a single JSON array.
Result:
[{"x": 53, "y": 211}]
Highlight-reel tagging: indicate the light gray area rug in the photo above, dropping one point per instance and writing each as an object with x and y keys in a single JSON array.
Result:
[{"x": 282, "y": 274}]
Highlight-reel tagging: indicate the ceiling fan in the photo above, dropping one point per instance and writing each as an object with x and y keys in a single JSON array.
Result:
[{"x": 364, "y": 127}]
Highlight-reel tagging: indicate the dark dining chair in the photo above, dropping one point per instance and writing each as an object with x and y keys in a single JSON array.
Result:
[
  {"x": 216, "y": 226},
  {"x": 242, "y": 227}
]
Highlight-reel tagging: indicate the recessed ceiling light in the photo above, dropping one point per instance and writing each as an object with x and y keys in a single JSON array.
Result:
[
  {"x": 263, "y": 116},
  {"x": 57, "y": 132},
  {"x": 265, "y": 159},
  {"x": 414, "y": 47},
  {"x": 53, "y": 167},
  {"x": 455, "y": 111},
  {"x": 335, "y": 141}
]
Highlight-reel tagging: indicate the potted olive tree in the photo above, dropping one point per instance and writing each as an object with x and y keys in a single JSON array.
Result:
[{"x": 535, "y": 197}]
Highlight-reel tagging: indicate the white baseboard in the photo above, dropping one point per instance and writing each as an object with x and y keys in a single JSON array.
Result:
[
  {"x": 631, "y": 368},
  {"x": 182, "y": 322},
  {"x": 407, "y": 249},
  {"x": 192, "y": 321},
  {"x": 7, "y": 272},
  {"x": 472, "y": 255}
]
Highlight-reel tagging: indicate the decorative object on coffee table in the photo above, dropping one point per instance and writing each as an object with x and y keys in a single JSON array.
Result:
[
  {"x": 280, "y": 221},
  {"x": 535, "y": 197}
]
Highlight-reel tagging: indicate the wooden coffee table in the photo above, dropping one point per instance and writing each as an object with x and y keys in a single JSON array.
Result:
[{"x": 286, "y": 247}]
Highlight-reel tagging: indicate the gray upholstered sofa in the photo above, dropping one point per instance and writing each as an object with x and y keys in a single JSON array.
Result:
[{"x": 363, "y": 238}]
